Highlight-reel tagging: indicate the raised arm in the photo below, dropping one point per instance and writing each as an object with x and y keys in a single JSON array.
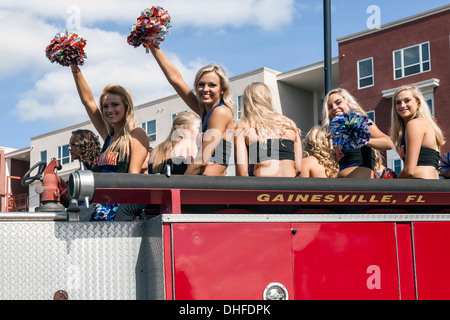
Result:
[
  {"x": 379, "y": 140},
  {"x": 175, "y": 79},
  {"x": 87, "y": 99}
]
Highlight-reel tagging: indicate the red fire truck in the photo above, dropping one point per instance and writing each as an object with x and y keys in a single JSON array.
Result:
[
  {"x": 244, "y": 238},
  {"x": 285, "y": 238}
]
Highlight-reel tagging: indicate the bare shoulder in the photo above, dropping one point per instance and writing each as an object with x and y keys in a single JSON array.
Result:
[
  {"x": 280, "y": 117},
  {"x": 139, "y": 134},
  {"x": 242, "y": 125},
  {"x": 310, "y": 161},
  {"x": 222, "y": 111},
  {"x": 286, "y": 120},
  {"x": 418, "y": 125},
  {"x": 221, "y": 118},
  {"x": 138, "y": 131}
]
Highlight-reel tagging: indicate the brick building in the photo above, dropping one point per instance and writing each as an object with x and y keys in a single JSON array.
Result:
[
  {"x": 414, "y": 50},
  {"x": 13, "y": 166}
]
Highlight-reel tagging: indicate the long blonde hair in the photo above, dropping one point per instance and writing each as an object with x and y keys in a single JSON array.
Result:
[
  {"x": 353, "y": 105},
  {"x": 259, "y": 113},
  {"x": 224, "y": 84},
  {"x": 318, "y": 143},
  {"x": 123, "y": 141},
  {"x": 398, "y": 126},
  {"x": 179, "y": 131},
  {"x": 351, "y": 101}
]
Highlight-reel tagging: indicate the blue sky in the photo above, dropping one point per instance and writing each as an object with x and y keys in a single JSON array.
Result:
[{"x": 241, "y": 35}]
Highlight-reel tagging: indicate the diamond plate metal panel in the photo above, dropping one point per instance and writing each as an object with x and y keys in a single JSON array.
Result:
[{"x": 88, "y": 260}]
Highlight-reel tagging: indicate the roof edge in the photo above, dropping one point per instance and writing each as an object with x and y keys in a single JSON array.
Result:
[{"x": 394, "y": 23}]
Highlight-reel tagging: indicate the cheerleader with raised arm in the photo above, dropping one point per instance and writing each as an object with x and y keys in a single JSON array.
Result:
[{"x": 211, "y": 100}]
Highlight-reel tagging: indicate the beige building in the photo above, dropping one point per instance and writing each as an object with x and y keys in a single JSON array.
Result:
[{"x": 296, "y": 94}]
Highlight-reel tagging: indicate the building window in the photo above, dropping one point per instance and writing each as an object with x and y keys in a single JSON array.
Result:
[
  {"x": 64, "y": 154},
  {"x": 44, "y": 155},
  {"x": 239, "y": 107},
  {"x": 430, "y": 102},
  {"x": 365, "y": 73},
  {"x": 412, "y": 60},
  {"x": 175, "y": 114},
  {"x": 150, "y": 128},
  {"x": 371, "y": 115},
  {"x": 398, "y": 166}
]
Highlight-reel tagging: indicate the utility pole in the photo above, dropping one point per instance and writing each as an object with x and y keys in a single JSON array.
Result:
[{"x": 327, "y": 44}]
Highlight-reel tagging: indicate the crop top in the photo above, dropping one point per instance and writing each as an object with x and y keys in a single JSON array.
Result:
[
  {"x": 109, "y": 161},
  {"x": 178, "y": 165},
  {"x": 222, "y": 153},
  {"x": 277, "y": 149},
  {"x": 363, "y": 157},
  {"x": 427, "y": 156}
]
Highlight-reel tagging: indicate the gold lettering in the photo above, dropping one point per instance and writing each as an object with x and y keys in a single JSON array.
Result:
[
  {"x": 278, "y": 198},
  {"x": 263, "y": 197},
  {"x": 327, "y": 198},
  {"x": 420, "y": 199},
  {"x": 361, "y": 199},
  {"x": 302, "y": 198}
]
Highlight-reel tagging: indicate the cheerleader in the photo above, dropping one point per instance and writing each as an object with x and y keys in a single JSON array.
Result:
[
  {"x": 415, "y": 134},
  {"x": 356, "y": 163}
]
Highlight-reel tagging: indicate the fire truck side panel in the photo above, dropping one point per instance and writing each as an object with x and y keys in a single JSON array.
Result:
[
  {"x": 88, "y": 260},
  {"x": 432, "y": 259},
  {"x": 342, "y": 260},
  {"x": 405, "y": 261},
  {"x": 230, "y": 260},
  {"x": 167, "y": 250},
  {"x": 345, "y": 261}
]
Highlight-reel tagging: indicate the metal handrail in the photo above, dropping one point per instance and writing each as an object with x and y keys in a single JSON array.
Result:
[{"x": 33, "y": 216}]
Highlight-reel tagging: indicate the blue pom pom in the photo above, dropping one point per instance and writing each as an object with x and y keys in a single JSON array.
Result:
[
  {"x": 444, "y": 164},
  {"x": 350, "y": 130},
  {"x": 105, "y": 212}
]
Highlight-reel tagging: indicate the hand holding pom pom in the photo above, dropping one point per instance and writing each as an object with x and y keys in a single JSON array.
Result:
[
  {"x": 444, "y": 165},
  {"x": 387, "y": 173},
  {"x": 152, "y": 25},
  {"x": 350, "y": 130},
  {"x": 66, "y": 48}
]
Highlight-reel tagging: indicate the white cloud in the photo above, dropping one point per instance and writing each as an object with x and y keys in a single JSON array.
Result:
[
  {"x": 28, "y": 25},
  {"x": 54, "y": 97},
  {"x": 111, "y": 60},
  {"x": 31, "y": 25},
  {"x": 216, "y": 14},
  {"x": 266, "y": 14},
  {"x": 23, "y": 45}
]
